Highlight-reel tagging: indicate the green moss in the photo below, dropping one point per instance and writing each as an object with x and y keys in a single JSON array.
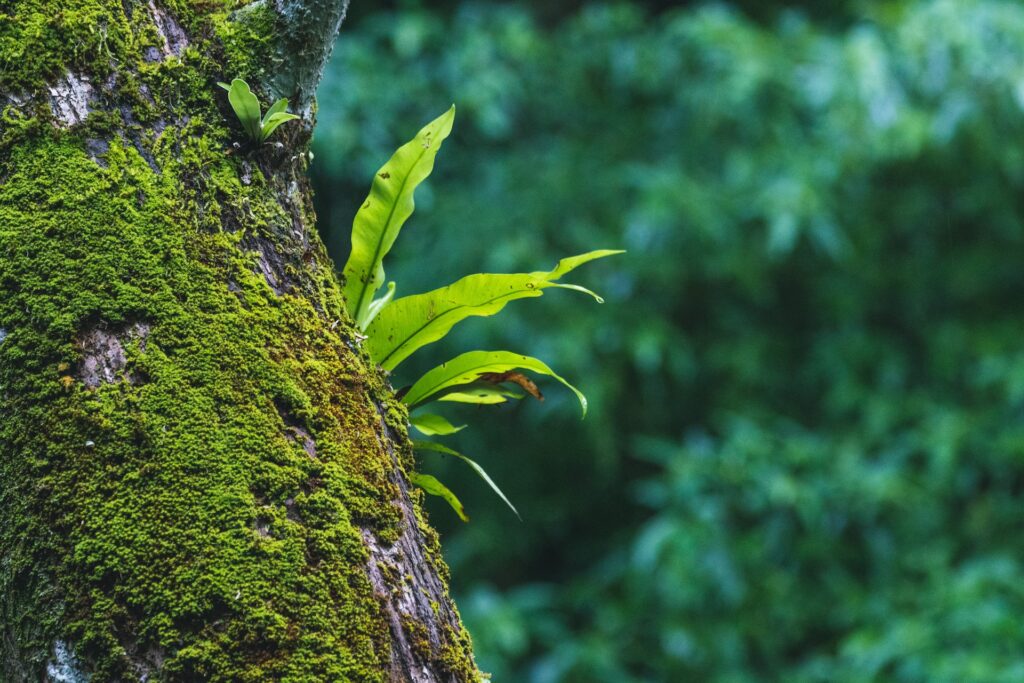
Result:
[
  {"x": 247, "y": 40},
  {"x": 187, "y": 460},
  {"x": 90, "y": 37},
  {"x": 38, "y": 42},
  {"x": 243, "y": 427},
  {"x": 142, "y": 499}
]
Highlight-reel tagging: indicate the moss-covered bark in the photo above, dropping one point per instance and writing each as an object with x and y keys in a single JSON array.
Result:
[{"x": 201, "y": 474}]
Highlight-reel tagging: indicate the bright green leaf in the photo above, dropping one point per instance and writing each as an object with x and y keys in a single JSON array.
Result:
[
  {"x": 386, "y": 209},
  {"x": 435, "y": 488},
  {"x": 410, "y": 323},
  {"x": 246, "y": 106},
  {"x": 273, "y": 121},
  {"x": 571, "y": 263},
  {"x": 280, "y": 106},
  {"x": 438, "y": 448},
  {"x": 469, "y": 366},
  {"x": 432, "y": 425},
  {"x": 482, "y": 393},
  {"x": 378, "y": 304}
]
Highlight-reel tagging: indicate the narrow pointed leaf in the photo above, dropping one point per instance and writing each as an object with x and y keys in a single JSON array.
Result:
[
  {"x": 246, "y": 106},
  {"x": 435, "y": 488},
  {"x": 468, "y": 367},
  {"x": 434, "y": 425},
  {"x": 412, "y": 322},
  {"x": 273, "y": 121},
  {"x": 388, "y": 206},
  {"x": 571, "y": 263},
  {"x": 280, "y": 106},
  {"x": 376, "y": 306},
  {"x": 438, "y": 448}
]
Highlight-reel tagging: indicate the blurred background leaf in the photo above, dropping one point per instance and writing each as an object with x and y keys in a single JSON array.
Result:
[{"x": 804, "y": 459}]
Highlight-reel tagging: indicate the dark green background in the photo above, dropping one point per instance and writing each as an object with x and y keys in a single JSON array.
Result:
[{"x": 804, "y": 459}]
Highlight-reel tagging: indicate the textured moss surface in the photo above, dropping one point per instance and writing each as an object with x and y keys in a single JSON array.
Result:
[{"x": 198, "y": 515}]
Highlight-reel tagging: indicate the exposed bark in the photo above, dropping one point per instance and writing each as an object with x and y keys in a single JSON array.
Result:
[
  {"x": 202, "y": 476},
  {"x": 305, "y": 45}
]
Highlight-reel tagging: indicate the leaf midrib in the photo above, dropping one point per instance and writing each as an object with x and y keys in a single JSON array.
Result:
[
  {"x": 472, "y": 369},
  {"x": 437, "y": 317},
  {"x": 387, "y": 225}
]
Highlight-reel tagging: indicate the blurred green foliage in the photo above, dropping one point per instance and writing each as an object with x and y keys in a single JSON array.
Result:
[{"x": 805, "y": 454}]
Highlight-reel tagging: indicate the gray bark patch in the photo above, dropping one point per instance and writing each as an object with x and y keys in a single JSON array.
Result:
[
  {"x": 304, "y": 439},
  {"x": 308, "y": 32},
  {"x": 69, "y": 99},
  {"x": 173, "y": 36},
  {"x": 103, "y": 354},
  {"x": 405, "y": 580},
  {"x": 97, "y": 148},
  {"x": 270, "y": 264}
]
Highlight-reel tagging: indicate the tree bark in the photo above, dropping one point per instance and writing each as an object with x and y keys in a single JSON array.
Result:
[{"x": 202, "y": 475}]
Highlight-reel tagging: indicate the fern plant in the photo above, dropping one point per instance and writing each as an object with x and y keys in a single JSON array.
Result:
[
  {"x": 247, "y": 108},
  {"x": 397, "y": 328}
]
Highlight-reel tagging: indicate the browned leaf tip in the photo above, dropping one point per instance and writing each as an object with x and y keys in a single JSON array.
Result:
[{"x": 516, "y": 378}]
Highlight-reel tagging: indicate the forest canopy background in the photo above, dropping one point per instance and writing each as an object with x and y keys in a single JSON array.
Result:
[{"x": 805, "y": 454}]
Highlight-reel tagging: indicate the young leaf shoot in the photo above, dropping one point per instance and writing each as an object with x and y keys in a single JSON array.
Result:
[{"x": 247, "y": 108}]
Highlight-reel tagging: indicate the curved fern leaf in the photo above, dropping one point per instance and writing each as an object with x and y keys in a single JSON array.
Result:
[
  {"x": 468, "y": 367},
  {"x": 385, "y": 210},
  {"x": 434, "y": 425},
  {"x": 435, "y": 488},
  {"x": 409, "y": 323},
  {"x": 246, "y": 106},
  {"x": 438, "y": 448}
]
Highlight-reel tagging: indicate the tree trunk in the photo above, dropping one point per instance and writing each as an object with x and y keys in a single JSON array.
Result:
[{"x": 202, "y": 476}]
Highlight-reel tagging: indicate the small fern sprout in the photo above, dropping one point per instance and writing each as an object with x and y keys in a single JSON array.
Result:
[{"x": 247, "y": 109}]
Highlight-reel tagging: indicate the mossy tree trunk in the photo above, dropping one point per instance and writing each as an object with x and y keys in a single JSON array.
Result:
[{"x": 202, "y": 476}]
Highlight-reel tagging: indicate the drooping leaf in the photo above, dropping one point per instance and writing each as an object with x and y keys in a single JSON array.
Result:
[
  {"x": 409, "y": 323},
  {"x": 432, "y": 425},
  {"x": 378, "y": 304},
  {"x": 272, "y": 121},
  {"x": 435, "y": 488},
  {"x": 527, "y": 384},
  {"x": 386, "y": 209},
  {"x": 246, "y": 107},
  {"x": 438, "y": 448},
  {"x": 468, "y": 367}
]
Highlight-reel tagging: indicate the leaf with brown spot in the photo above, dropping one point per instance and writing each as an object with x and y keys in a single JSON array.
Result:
[
  {"x": 516, "y": 378},
  {"x": 469, "y": 367}
]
